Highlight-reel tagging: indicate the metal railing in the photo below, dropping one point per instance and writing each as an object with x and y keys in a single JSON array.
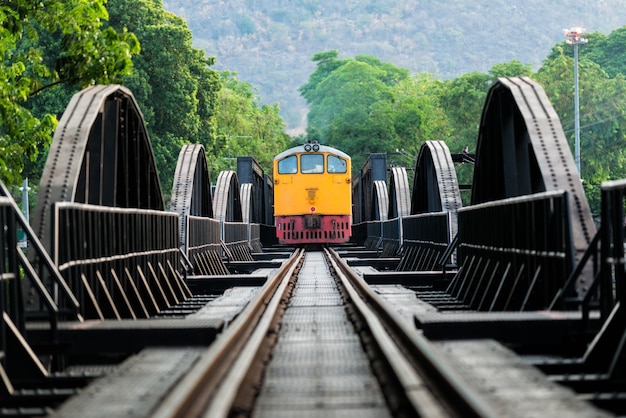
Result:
[
  {"x": 204, "y": 247},
  {"x": 514, "y": 254},
  {"x": 612, "y": 278},
  {"x": 425, "y": 238},
  {"x": 120, "y": 263},
  {"x": 237, "y": 236},
  {"x": 391, "y": 237}
]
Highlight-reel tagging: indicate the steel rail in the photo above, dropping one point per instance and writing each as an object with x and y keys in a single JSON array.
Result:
[
  {"x": 212, "y": 385},
  {"x": 424, "y": 375}
]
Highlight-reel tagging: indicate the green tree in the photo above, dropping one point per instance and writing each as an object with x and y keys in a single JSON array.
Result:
[
  {"x": 351, "y": 104},
  {"x": 418, "y": 115},
  {"x": 174, "y": 85},
  {"x": 245, "y": 128},
  {"x": 350, "y": 93},
  {"x": 608, "y": 51},
  {"x": 327, "y": 62},
  {"x": 513, "y": 68},
  {"x": 362, "y": 105},
  {"x": 463, "y": 99},
  {"x": 47, "y": 44},
  {"x": 602, "y": 117}
]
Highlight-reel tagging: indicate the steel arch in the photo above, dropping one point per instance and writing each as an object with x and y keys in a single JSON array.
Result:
[
  {"x": 227, "y": 200},
  {"x": 260, "y": 195},
  {"x": 374, "y": 169},
  {"x": 191, "y": 191},
  {"x": 435, "y": 188},
  {"x": 380, "y": 201},
  {"x": 522, "y": 150},
  {"x": 248, "y": 207},
  {"x": 100, "y": 154},
  {"x": 399, "y": 193}
]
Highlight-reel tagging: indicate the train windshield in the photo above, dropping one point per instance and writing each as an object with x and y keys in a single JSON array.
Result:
[
  {"x": 337, "y": 165},
  {"x": 312, "y": 163},
  {"x": 288, "y": 165}
]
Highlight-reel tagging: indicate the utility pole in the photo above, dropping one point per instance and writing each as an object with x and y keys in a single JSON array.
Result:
[{"x": 575, "y": 38}]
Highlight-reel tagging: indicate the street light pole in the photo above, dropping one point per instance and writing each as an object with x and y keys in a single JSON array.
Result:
[{"x": 575, "y": 38}]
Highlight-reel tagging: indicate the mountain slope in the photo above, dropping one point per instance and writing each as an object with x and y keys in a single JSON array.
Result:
[{"x": 270, "y": 44}]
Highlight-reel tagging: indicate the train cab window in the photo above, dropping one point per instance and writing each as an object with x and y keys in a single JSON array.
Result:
[
  {"x": 312, "y": 163},
  {"x": 337, "y": 165},
  {"x": 288, "y": 165}
]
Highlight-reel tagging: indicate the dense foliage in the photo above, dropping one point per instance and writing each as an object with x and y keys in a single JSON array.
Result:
[
  {"x": 47, "y": 44},
  {"x": 182, "y": 99},
  {"x": 362, "y": 105},
  {"x": 602, "y": 106},
  {"x": 245, "y": 128},
  {"x": 174, "y": 85}
]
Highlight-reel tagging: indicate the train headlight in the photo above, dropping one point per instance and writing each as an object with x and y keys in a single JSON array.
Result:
[
  {"x": 307, "y": 147},
  {"x": 316, "y": 147}
]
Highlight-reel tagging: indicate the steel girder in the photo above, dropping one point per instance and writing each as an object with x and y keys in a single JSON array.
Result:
[
  {"x": 399, "y": 193},
  {"x": 522, "y": 150},
  {"x": 248, "y": 206},
  {"x": 357, "y": 201},
  {"x": 257, "y": 202},
  {"x": 227, "y": 207},
  {"x": 227, "y": 200},
  {"x": 380, "y": 201},
  {"x": 191, "y": 191},
  {"x": 607, "y": 354},
  {"x": 100, "y": 154},
  {"x": 363, "y": 189},
  {"x": 436, "y": 188}
]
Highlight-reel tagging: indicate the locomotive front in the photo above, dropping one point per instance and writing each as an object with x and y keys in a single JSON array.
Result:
[{"x": 312, "y": 195}]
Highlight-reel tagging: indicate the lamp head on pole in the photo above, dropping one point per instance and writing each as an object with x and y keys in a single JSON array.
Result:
[{"x": 575, "y": 35}]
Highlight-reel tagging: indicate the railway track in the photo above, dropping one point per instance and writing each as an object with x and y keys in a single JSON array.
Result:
[
  {"x": 316, "y": 343},
  {"x": 316, "y": 340}
]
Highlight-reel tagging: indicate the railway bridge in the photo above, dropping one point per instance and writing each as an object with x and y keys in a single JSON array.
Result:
[{"x": 506, "y": 305}]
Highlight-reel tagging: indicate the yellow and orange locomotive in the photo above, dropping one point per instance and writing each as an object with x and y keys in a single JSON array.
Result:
[{"x": 312, "y": 195}]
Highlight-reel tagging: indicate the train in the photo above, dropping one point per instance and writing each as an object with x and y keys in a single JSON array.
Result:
[{"x": 312, "y": 195}]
